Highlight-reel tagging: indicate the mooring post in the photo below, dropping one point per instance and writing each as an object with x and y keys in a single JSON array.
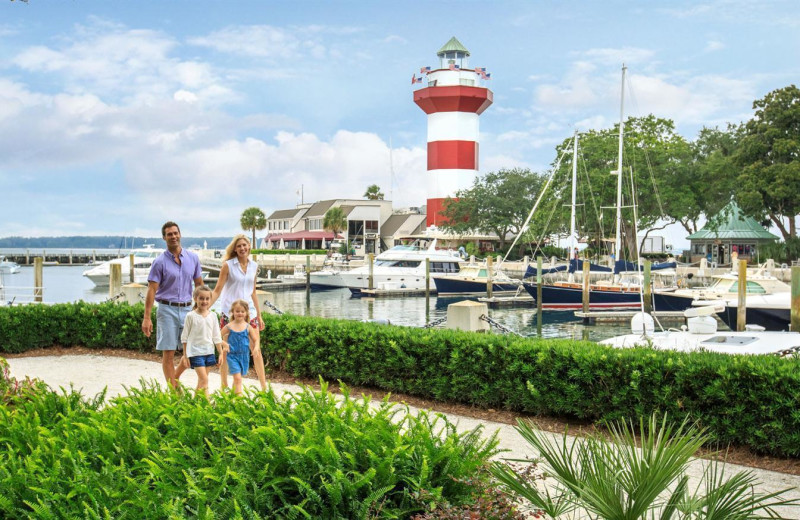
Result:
[
  {"x": 427, "y": 290},
  {"x": 648, "y": 293},
  {"x": 539, "y": 261},
  {"x": 489, "y": 276},
  {"x": 794, "y": 324},
  {"x": 133, "y": 272},
  {"x": 308, "y": 274},
  {"x": 586, "y": 280},
  {"x": 741, "y": 311},
  {"x": 38, "y": 278},
  {"x": 371, "y": 257},
  {"x": 114, "y": 280}
]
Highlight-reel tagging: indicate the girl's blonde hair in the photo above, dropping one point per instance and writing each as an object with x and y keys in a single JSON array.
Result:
[
  {"x": 244, "y": 305},
  {"x": 198, "y": 290},
  {"x": 230, "y": 251}
]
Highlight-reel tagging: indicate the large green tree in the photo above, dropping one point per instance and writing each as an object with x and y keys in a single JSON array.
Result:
[
  {"x": 664, "y": 186},
  {"x": 334, "y": 220},
  {"x": 769, "y": 157},
  {"x": 253, "y": 219},
  {"x": 497, "y": 202},
  {"x": 713, "y": 174},
  {"x": 373, "y": 192}
]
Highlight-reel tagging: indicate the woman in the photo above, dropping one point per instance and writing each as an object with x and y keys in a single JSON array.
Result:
[{"x": 237, "y": 281}]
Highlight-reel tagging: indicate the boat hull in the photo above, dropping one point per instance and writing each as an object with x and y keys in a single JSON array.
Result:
[
  {"x": 667, "y": 301},
  {"x": 449, "y": 285},
  {"x": 565, "y": 298},
  {"x": 770, "y": 318}
]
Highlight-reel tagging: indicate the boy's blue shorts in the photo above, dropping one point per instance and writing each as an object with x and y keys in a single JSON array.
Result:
[{"x": 203, "y": 361}]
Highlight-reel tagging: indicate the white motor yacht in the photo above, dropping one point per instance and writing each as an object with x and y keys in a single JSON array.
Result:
[
  {"x": 403, "y": 267},
  {"x": 142, "y": 260},
  {"x": 8, "y": 267},
  {"x": 329, "y": 276}
]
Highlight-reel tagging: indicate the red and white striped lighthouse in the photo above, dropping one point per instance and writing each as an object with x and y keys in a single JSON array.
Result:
[{"x": 453, "y": 101}]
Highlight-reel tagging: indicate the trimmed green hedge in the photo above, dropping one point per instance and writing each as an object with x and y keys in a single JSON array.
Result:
[{"x": 744, "y": 400}]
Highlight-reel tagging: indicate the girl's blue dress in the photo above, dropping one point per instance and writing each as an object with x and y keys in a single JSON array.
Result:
[{"x": 239, "y": 355}]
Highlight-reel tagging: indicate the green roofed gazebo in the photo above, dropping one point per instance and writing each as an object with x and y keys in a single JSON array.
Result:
[{"x": 737, "y": 233}]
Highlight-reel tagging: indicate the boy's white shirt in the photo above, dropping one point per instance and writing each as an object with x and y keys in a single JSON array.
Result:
[{"x": 200, "y": 334}]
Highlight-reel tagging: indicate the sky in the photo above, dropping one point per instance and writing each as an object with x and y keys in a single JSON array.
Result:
[{"x": 118, "y": 116}]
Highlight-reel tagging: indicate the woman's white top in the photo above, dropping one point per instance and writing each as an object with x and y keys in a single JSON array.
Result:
[
  {"x": 200, "y": 333},
  {"x": 239, "y": 285}
]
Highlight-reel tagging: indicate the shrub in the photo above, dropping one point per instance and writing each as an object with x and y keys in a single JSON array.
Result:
[
  {"x": 154, "y": 454},
  {"x": 636, "y": 473},
  {"x": 744, "y": 400}
]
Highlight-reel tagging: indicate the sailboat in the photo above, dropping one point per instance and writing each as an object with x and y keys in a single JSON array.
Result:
[{"x": 619, "y": 293}]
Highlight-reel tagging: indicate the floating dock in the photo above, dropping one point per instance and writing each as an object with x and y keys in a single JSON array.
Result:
[
  {"x": 496, "y": 302},
  {"x": 624, "y": 315},
  {"x": 393, "y": 293}
]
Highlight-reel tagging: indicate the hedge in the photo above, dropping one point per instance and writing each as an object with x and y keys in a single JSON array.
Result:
[{"x": 744, "y": 400}]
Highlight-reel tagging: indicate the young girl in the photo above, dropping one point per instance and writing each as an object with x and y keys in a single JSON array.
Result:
[
  {"x": 243, "y": 339},
  {"x": 200, "y": 334}
]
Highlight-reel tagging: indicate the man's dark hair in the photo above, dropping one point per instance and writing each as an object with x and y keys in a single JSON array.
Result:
[{"x": 168, "y": 224}]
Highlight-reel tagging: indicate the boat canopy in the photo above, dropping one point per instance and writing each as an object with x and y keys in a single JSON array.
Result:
[
  {"x": 621, "y": 266},
  {"x": 531, "y": 270},
  {"x": 576, "y": 265}
]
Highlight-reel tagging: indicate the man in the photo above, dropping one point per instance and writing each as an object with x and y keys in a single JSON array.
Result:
[{"x": 170, "y": 284}]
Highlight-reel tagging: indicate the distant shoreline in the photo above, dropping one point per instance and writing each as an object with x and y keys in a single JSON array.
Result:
[{"x": 109, "y": 242}]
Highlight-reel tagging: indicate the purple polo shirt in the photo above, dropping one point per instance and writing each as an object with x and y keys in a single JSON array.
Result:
[{"x": 175, "y": 281}]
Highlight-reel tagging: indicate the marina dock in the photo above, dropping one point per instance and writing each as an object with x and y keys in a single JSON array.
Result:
[
  {"x": 495, "y": 302},
  {"x": 624, "y": 315}
]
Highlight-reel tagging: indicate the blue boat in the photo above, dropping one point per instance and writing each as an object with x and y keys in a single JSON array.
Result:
[{"x": 473, "y": 279}]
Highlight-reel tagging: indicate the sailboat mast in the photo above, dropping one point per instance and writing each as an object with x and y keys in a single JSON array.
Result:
[
  {"x": 618, "y": 240},
  {"x": 573, "y": 242}
]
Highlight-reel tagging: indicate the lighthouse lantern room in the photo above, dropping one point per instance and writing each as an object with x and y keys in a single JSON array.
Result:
[{"x": 453, "y": 100}]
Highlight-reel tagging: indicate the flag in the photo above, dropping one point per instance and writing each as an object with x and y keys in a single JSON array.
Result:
[
  {"x": 424, "y": 70},
  {"x": 480, "y": 70},
  {"x": 415, "y": 79},
  {"x": 486, "y": 75},
  {"x": 453, "y": 66}
]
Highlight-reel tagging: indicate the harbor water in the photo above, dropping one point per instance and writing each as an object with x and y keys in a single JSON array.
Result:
[{"x": 65, "y": 283}]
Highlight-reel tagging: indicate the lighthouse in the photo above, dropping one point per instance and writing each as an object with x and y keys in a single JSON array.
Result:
[{"x": 453, "y": 101}]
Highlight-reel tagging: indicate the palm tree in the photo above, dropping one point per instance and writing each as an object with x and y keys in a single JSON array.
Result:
[
  {"x": 613, "y": 479},
  {"x": 253, "y": 219},
  {"x": 373, "y": 192},
  {"x": 334, "y": 220}
]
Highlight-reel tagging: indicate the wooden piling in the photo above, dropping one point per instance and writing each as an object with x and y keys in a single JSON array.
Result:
[
  {"x": 647, "y": 289},
  {"x": 308, "y": 274},
  {"x": 133, "y": 272},
  {"x": 371, "y": 280},
  {"x": 741, "y": 311},
  {"x": 586, "y": 283},
  {"x": 488, "y": 276},
  {"x": 38, "y": 278},
  {"x": 114, "y": 280},
  {"x": 539, "y": 260},
  {"x": 794, "y": 323}
]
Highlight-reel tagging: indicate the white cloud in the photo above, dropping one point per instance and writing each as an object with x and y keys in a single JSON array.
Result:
[
  {"x": 714, "y": 45},
  {"x": 263, "y": 41}
]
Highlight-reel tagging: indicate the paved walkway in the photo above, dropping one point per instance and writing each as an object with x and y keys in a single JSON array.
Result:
[{"x": 91, "y": 373}]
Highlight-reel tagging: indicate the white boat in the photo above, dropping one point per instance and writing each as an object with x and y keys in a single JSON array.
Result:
[
  {"x": 701, "y": 334},
  {"x": 329, "y": 276},
  {"x": 142, "y": 260},
  {"x": 403, "y": 267},
  {"x": 725, "y": 288},
  {"x": 769, "y": 311},
  {"x": 8, "y": 267}
]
